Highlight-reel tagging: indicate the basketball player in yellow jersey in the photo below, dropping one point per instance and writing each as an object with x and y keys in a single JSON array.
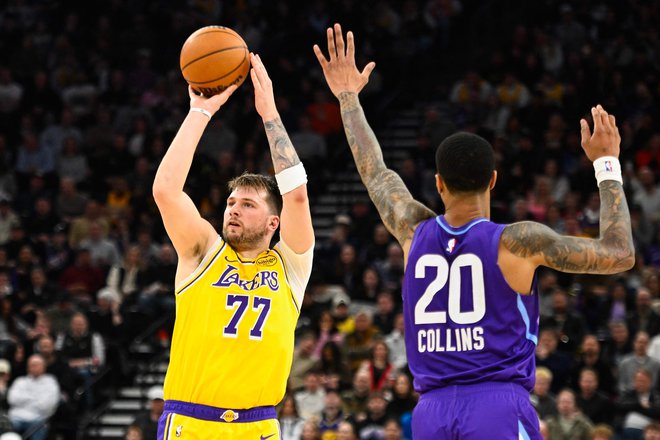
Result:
[{"x": 237, "y": 300}]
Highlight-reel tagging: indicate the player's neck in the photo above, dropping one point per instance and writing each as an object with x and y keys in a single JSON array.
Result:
[
  {"x": 463, "y": 209},
  {"x": 250, "y": 254}
]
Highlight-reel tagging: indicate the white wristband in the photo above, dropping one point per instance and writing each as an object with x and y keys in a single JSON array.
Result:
[
  {"x": 291, "y": 178},
  {"x": 608, "y": 168},
  {"x": 201, "y": 110}
]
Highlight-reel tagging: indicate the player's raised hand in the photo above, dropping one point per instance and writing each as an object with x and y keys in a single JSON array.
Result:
[
  {"x": 605, "y": 140},
  {"x": 340, "y": 72},
  {"x": 264, "y": 100},
  {"x": 213, "y": 103}
]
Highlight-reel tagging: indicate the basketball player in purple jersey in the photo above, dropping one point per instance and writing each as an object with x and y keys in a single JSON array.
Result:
[{"x": 469, "y": 293}]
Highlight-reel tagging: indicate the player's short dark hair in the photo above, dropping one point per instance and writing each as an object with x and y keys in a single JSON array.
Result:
[
  {"x": 465, "y": 162},
  {"x": 260, "y": 182}
]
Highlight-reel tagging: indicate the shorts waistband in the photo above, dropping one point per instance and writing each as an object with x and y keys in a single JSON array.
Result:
[
  {"x": 213, "y": 414},
  {"x": 477, "y": 388}
]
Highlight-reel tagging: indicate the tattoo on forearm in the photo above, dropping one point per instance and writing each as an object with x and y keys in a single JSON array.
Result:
[
  {"x": 611, "y": 253},
  {"x": 398, "y": 210},
  {"x": 281, "y": 150}
]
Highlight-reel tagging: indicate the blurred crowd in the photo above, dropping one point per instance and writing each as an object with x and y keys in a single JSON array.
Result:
[{"x": 91, "y": 95}]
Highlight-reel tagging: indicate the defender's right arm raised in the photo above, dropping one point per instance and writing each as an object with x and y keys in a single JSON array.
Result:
[
  {"x": 613, "y": 251},
  {"x": 399, "y": 211},
  {"x": 191, "y": 235}
]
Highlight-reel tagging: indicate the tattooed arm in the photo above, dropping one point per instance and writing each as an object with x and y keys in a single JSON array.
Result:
[
  {"x": 296, "y": 220},
  {"x": 399, "y": 211},
  {"x": 613, "y": 251}
]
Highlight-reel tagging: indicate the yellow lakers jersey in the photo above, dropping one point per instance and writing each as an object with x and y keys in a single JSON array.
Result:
[{"x": 234, "y": 331}]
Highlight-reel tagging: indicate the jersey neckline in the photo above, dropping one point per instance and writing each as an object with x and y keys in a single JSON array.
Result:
[{"x": 440, "y": 220}]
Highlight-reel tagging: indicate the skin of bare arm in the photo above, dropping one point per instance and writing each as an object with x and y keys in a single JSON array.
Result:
[
  {"x": 399, "y": 211},
  {"x": 295, "y": 221},
  {"x": 526, "y": 245}
]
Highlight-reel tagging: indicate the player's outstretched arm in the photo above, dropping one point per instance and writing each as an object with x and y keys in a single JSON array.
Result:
[
  {"x": 191, "y": 235},
  {"x": 399, "y": 211},
  {"x": 296, "y": 220},
  {"x": 613, "y": 251}
]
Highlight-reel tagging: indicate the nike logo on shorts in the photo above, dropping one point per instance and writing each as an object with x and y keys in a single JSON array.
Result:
[{"x": 261, "y": 437}]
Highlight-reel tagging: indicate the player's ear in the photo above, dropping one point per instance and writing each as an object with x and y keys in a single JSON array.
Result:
[
  {"x": 493, "y": 180},
  {"x": 273, "y": 222},
  {"x": 439, "y": 183}
]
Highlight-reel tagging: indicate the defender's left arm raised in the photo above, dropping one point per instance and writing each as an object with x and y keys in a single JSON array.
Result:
[{"x": 296, "y": 220}]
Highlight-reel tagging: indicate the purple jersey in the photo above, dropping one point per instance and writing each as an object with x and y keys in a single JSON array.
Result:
[{"x": 463, "y": 323}]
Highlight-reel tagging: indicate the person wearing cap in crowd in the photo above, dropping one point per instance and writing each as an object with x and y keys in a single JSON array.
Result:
[
  {"x": 147, "y": 420},
  {"x": 343, "y": 319},
  {"x": 33, "y": 399}
]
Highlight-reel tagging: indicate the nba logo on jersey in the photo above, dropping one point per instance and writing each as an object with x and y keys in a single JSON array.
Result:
[
  {"x": 608, "y": 165},
  {"x": 450, "y": 245},
  {"x": 178, "y": 430}
]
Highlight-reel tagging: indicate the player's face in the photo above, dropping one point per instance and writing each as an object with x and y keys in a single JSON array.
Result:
[{"x": 247, "y": 219}]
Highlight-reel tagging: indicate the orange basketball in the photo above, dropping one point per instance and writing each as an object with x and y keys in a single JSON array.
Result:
[{"x": 213, "y": 58}]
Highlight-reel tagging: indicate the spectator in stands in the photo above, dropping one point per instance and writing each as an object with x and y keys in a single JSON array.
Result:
[
  {"x": 332, "y": 415},
  {"x": 385, "y": 312},
  {"x": 103, "y": 251},
  {"x": 8, "y": 219},
  {"x": 646, "y": 193},
  {"x": 5, "y": 376},
  {"x": 590, "y": 357},
  {"x": 358, "y": 344},
  {"x": 639, "y": 358},
  {"x": 33, "y": 399},
  {"x": 311, "y": 399},
  {"x": 373, "y": 426},
  {"x": 291, "y": 424},
  {"x": 396, "y": 343},
  {"x": 602, "y": 432},
  {"x": 594, "y": 404},
  {"x": 403, "y": 398},
  {"x": 652, "y": 431},
  {"x": 392, "y": 430},
  {"x": 71, "y": 163},
  {"x": 379, "y": 367},
  {"x": 133, "y": 433},
  {"x": 355, "y": 399},
  {"x": 369, "y": 286},
  {"x": 83, "y": 350},
  {"x": 543, "y": 400},
  {"x": 619, "y": 344},
  {"x": 156, "y": 297},
  {"x": 570, "y": 325},
  {"x": 643, "y": 317},
  {"x": 640, "y": 405},
  {"x": 569, "y": 423},
  {"x": 126, "y": 277},
  {"x": 346, "y": 431},
  {"x": 556, "y": 361},
  {"x": 82, "y": 279},
  {"x": 39, "y": 293},
  {"x": 332, "y": 366},
  {"x": 80, "y": 226},
  {"x": 147, "y": 421},
  {"x": 326, "y": 331},
  {"x": 310, "y": 429},
  {"x": 304, "y": 361}
]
